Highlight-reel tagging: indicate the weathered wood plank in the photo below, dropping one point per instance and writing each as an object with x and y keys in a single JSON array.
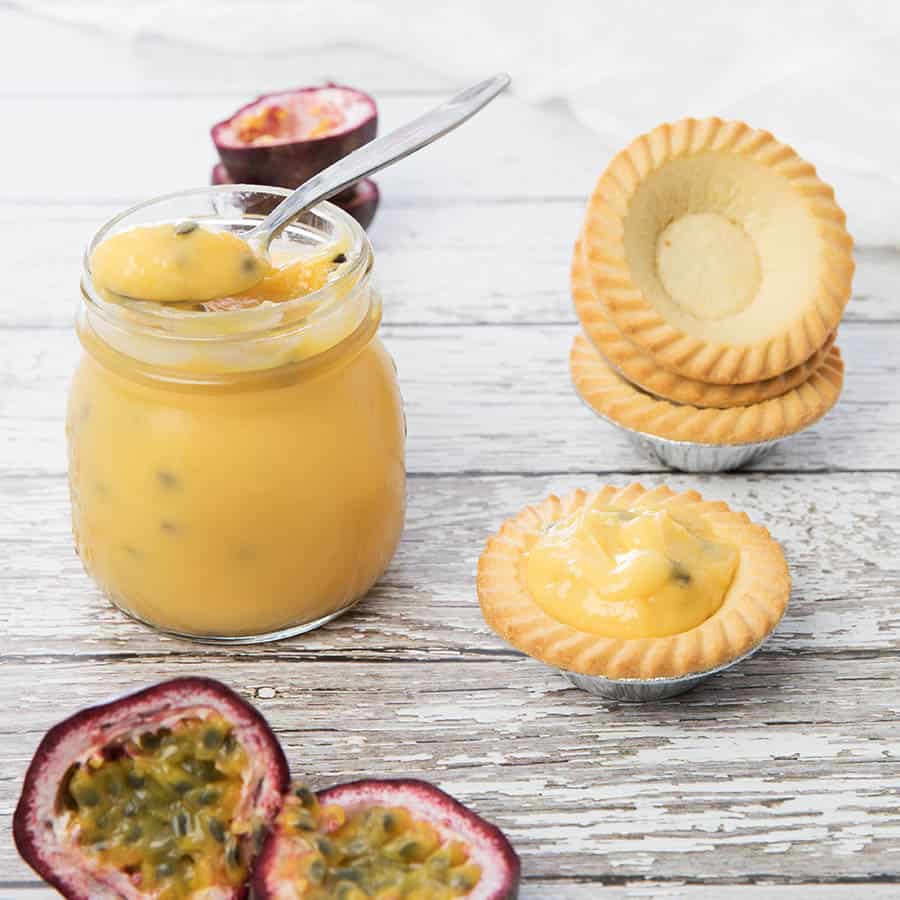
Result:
[
  {"x": 487, "y": 399},
  {"x": 162, "y": 145},
  {"x": 442, "y": 264},
  {"x": 582, "y": 788},
  {"x": 838, "y": 532}
]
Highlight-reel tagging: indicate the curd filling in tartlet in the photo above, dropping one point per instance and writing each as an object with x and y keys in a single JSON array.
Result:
[{"x": 629, "y": 573}]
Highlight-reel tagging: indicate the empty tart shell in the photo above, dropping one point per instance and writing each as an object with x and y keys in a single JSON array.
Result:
[
  {"x": 638, "y": 367},
  {"x": 614, "y": 398},
  {"x": 752, "y": 607},
  {"x": 718, "y": 250}
]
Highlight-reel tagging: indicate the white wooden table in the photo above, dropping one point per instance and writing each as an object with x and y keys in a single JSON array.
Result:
[{"x": 778, "y": 779}]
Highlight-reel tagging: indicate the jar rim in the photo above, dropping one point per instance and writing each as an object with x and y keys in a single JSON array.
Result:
[{"x": 322, "y": 302}]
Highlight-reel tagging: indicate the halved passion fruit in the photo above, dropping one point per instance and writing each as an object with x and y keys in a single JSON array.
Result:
[
  {"x": 284, "y": 139},
  {"x": 383, "y": 840},
  {"x": 360, "y": 201},
  {"x": 165, "y": 793}
]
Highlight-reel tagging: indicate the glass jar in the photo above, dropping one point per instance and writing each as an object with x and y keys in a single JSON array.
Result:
[{"x": 238, "y": 475}]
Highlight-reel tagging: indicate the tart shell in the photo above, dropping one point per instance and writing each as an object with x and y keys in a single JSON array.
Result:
[
  {"x": 613, "y": 397},
  {"x": 752, "y": 607},
  {"x": 731, "y": 361},
  {"x": 640, "y": 368}
]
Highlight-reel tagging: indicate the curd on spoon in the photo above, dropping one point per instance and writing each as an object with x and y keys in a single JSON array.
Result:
[{"x": 177, "y": 262}]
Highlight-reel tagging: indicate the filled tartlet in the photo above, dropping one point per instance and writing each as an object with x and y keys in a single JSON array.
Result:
[
  {"x": 711, "y": 273},
  {"x": 633, "y": 583}
]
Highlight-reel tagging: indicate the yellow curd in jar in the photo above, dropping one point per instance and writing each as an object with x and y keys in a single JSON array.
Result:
[
  {"x": 236, "y": 466},
  {"x": 635, "y": 573}
]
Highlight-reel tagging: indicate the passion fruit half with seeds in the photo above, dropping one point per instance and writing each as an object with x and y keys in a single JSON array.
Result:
[
  {"x": 383, "y": 840},
  {"x": 284, "y": 139},
  {"x": 360, "y": 201},
  {"x": 164, "y": 793}
]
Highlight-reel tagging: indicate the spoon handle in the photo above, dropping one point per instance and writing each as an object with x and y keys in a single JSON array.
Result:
[{"x": 382, "y": 152}]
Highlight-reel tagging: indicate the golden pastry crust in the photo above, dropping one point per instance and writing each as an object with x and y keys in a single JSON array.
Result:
[
  {"x": 753, "y": 604},
  {"x": 638, "y": 367},
  {"x": 766, "y": 200},
  {"x": 614, "y": 398}
]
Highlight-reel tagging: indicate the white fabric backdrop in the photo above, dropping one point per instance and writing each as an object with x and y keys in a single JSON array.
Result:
[{"x": 823, "y": 75}]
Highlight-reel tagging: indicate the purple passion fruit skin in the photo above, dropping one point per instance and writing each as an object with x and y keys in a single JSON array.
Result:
[
  {"x": 383, "y": 840},
  {"x": 284, "y": 139},
  {"x": 158, "y": 793},
  {"x": 360, "y": 201}
]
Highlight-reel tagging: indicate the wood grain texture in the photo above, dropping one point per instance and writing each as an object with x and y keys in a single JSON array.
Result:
[
  {"x": 764, "y": 770},
  {"x": 778, "y": 779},
  {"x": 435, "y": 264},
  {"x": 145, "y": 160},
  {"x": 838, "y": 534},
  {"x": 488, "y": 399}
]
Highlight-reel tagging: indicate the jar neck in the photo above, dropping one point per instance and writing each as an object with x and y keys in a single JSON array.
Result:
[{"x": 290, "y": 340}]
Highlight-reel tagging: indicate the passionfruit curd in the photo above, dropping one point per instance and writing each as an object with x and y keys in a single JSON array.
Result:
[
  {"x": 235, "y": 463},
  {"x": 629, "y": 573}
]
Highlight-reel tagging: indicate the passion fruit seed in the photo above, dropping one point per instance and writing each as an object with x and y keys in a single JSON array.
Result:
[
  {"x": 326, "y": 848},
  {"x": 180, "y": 824},
  {"x": 233, "y": 854},
  {"x": 317, "y": 869},
  {"x": 345, "y": 874},
  {"x": 217, "y": 830},
  {"x": 680, "y": 573},
  {"x": 149, "y": 740},
  {"x": 144, "y": 806},
  {"x": 212, "y": 739},
  {"x": 372, "y": 852},
  {"x": 340, "y": 258}
]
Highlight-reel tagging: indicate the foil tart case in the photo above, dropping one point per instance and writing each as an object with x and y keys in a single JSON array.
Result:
[
  {"x": 688, "y": 456},
  {"x": 639, "y": 690}
]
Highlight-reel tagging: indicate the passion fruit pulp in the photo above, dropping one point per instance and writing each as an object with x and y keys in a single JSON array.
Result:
[
  {"x": 360, "y": 201},
  {"x": 165, "y": 793},
  {"x": 383, "y": 840},
  {"x": 284, "y": 139}
]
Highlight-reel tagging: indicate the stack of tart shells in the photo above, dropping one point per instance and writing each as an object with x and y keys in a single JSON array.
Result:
[{"x": 758, "y": 373}]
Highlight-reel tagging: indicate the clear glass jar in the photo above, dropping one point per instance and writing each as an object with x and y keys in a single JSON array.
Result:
[{"x": 237, "y": 476}]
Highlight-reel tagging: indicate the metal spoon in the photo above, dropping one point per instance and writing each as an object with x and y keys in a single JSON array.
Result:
[
  {"x": 376, "y": 155},
  {"x": 164, "y": 269}
]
